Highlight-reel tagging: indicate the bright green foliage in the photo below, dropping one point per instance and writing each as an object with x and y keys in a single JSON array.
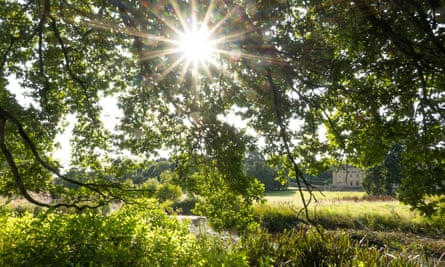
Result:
[
  {"x": 64, "y": 67},
  {"x": 143, "y": 235},
  {"x": 131, "y": 236},
  {"x": 168, "y": 191},
  {"x": 307, "y": 247},
  {"x": 226, "y": 203},
  {"x": 136, "y": 235},
  {"x": 371, "y": 72}
]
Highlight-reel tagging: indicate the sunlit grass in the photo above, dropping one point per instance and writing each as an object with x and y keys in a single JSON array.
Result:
[
  {"x": 293, "y": 196},
  {"x": 353, "y": 210},
  {"x": 382, "y": 222}
]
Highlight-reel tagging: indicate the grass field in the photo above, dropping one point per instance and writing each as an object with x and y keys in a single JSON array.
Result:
[
  {"x": 384, "y": 221},
  {"x": 367, "y": 226},
  {"x": 352, "y": 204},
  {"x": 293, "y": 196}
]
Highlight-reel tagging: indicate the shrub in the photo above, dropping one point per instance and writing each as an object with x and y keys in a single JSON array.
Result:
[
  {"x": 185, "y": 206},
  {"x": 135, "y": 235},
  {"x": 132, "y": 236},
  {"x": 168, "y": 191}
]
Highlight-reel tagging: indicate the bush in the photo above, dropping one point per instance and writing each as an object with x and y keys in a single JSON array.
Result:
[
  {"x": 168, "y": 191},
  {"x": 135, "y": 235},
  {"x": 143, "y": 235},
  {"x": 130, "y": 237},
  {"x": 185, "y": 206}
]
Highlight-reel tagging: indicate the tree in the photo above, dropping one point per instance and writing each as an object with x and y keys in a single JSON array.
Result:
[
  {"x": 63, "y": 66},
  {"x": 369, "y": 73},
  {"x": 257, "y": 167},
  {"x": 385, "y": 178}
]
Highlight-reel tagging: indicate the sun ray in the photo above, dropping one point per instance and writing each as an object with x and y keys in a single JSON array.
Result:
[
  {"x": 221, "y": 21},
  {"x": 210, "y": 10},
  {"x": 216, "y": 39},
  {"x": 251, "y": 56},
  {"x": 178, "y": 13},
  {"x": 158, "y": 53},
  {"x": 171, "y": 67}
]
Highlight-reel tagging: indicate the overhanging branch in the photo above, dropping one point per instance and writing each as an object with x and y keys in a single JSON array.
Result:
[{"x": 102, "y": 190}]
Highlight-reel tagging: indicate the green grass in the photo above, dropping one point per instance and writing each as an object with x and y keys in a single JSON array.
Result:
[
  {"x": 383, "y": 222},
  {"x": 356, "y": 210},
  {"x": 293, "y": 196}
]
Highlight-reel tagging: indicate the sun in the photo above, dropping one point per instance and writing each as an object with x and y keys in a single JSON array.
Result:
[
  {"x": 196, "y": 45},
  {"x": 199, "y": 43}
]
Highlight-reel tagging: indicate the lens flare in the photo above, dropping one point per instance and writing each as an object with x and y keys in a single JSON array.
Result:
[
  {"x": 196, "y": 45},
  {"x": 193, "y": 40}
]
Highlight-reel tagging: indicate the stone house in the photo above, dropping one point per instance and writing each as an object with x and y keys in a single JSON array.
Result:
[{"x": 347, "y": 176}]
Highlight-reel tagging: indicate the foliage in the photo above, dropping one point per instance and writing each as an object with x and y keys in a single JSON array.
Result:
[
  {"x": 136, "y": 235},
  {"x": 383, "y": 86},
  {"x": 143, "y": 235},
  {"x": 185, "y": 206},
  {"x": 307, "y": 247},
  {"x": 322, "y": 178},
  {"x": 346, "y": 210},
  {"x": 149, "y": 170},
  {"x": 227, "y": 205},
  {"x": 168, "y": 191},
  {"x": 276, "y": 219},
  {"x": 149, "y": 187},
  {"x": 371, "y": 72},
  {"x": 131, "y": 236},
  {"x": 368, "y": 73}
]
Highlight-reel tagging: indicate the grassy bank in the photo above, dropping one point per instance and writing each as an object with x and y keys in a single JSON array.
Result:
[
  {"x": 382, "y": 222},
  {"x": 354, "y": 210}
]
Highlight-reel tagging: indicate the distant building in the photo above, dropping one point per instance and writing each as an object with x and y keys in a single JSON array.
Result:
[{"x": 347, "y": 176}]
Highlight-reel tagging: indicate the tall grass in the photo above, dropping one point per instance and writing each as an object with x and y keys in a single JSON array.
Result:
[
  {"x": 293, "y": 196},
  {"x": 381, "y": 222},
  {"x": 308, "y": 247},
  {"x": 353, "y": 210}
]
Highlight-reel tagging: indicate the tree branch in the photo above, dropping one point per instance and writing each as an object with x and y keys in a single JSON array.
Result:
[
  {"x": 73, "y": 75},
  {"x": 6, "y": 116},
  {"x": 285, "y": 139},
  {"x": 15, "y": 172}
]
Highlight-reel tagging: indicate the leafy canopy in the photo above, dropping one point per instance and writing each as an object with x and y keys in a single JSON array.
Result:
[{"x": 367, "y": 74}]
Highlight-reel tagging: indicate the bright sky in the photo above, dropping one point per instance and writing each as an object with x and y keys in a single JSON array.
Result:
[{"x": 110, "y": 115}]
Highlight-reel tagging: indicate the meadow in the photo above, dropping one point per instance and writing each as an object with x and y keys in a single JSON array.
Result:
[
  {"x": 382, "y": 221},
  {"x": 352, "y": 209}
]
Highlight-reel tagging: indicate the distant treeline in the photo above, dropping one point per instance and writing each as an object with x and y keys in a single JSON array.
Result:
[{"x": 255, "y": 165}]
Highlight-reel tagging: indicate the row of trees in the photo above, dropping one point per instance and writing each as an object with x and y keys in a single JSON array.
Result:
[{"x": 368, "y": 73}]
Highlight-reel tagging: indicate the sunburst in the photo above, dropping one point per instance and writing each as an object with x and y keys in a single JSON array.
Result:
[
  {"x": 196, "y": 46},
  {"x": 197, "y": 39},
  {"x": 193, "y": 40}
]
